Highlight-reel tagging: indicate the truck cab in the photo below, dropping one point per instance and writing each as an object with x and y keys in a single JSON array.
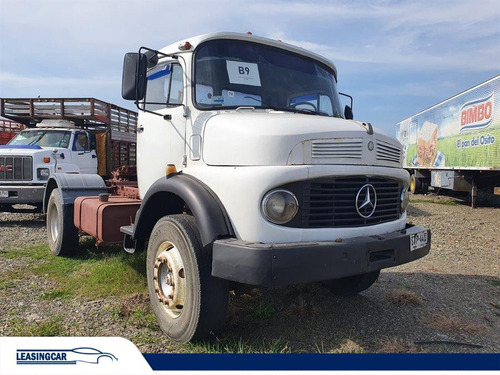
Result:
[
  {"x": 27, "y": 161},
  {"x": 271, "y": 174}
]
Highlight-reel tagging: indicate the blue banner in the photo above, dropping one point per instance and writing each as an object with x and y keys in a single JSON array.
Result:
[{"x": 450, "y": 362}]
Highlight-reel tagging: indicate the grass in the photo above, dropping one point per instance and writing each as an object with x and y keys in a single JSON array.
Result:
[
  {"x": 56, "y": 294},
  {"x": 403, "y": 297},
  {"x": 95, "y": 273},
  {"x": 49, "y": 327},
  {"x": 6, "y": 285},
  {"x": 397, "y": 345},
  {"x": 494, "y": 282},
  {"x": 435, "y": 201},
  {"x": 453, "y": 324},
  {"x": 348, "y": 346},
  {"x": 263, "y": 310},
  {"x": 237, "y": 345}
]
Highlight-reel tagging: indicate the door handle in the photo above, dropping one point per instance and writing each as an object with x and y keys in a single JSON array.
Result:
[{"x": 140, "y": 129}]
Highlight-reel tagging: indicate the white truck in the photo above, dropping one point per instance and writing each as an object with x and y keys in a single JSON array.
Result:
[
  {"x": 61, "y": 136},
  {"x": 248, "y": 173}
]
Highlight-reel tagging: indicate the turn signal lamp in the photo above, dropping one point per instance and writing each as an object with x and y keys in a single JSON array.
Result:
[
  {"x": 46, "y": 159},
  {"x": 170, "y": 170},
  {"x": 185, "y": 46}
]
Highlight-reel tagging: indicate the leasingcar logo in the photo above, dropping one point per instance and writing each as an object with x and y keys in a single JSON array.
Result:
[{"x": 62, "y": 356}]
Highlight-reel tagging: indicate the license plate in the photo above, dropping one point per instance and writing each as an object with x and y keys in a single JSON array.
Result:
[
  {"x": 418, "y": 240},
  {"x": 4, "y": 194}
]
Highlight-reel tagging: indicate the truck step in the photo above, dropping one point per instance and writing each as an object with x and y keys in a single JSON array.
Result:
[{"x": 127, "y": 229}]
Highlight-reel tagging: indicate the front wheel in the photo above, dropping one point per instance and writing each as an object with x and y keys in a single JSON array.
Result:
[
  {"x": 352, "y": 285},
  {"x": 62, "y": 233},
  {"x": 188, "y": 301}
]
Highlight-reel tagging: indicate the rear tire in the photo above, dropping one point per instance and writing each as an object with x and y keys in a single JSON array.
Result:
[
  {"x": 352, "y": 285},
  {"x": 188, "y": 301},
  {"x": 62, "y": 233},
  {"x": 425, "y": 187}
]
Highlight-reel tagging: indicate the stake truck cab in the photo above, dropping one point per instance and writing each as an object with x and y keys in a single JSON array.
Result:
[
  {"x": 249, "y": 173},
  {"x": 62, "y": 136}
]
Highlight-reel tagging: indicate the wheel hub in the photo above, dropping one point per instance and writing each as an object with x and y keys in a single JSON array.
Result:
[
  {"x": 169, "y": 279},
  {"x": 53, "y": 219}
]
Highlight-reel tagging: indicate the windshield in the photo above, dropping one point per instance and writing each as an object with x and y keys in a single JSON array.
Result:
[
  {"x": 42, "y": 138},
  {"x": 231, "y": 74}
]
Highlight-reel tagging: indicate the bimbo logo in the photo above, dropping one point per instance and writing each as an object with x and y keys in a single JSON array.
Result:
[{"x": 477, "y": 113}]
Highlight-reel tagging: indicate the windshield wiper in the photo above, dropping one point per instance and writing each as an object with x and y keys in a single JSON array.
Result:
[
  {"x": 36, "y": 140},
  {"x": 288, "y": 109}
]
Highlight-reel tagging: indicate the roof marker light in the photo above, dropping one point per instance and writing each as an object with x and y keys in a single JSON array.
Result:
[{"x": 185, "y": 46}]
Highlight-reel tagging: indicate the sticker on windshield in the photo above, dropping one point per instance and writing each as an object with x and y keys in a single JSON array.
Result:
[
  {"x": 243, "y": 73},
  {"x": 217, "y": 100}
]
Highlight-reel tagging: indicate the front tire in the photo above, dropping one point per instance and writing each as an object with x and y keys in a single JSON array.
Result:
[
  {"x": 188, "y": 301},
  {"x": 352, "y": 285},
  {"x": 62, "y": 233}
]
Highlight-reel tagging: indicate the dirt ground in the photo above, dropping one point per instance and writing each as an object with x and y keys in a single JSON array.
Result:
[{"x": 448, "y": 301}]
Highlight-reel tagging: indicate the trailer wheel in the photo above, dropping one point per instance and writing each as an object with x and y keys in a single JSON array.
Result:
[
  {"x": 352, "y": 285},
  {"x": 62, "y": 233},
  {"x": 425, "y": 187},
  {"x": 413, "y": 184},
  {"x": 188, "y": 301}
]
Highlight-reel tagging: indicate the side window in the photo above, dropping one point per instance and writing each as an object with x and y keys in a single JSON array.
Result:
[
  {"x": 81, "y": 142},
  {"x": 165, "y": 87},
  {"x": 176, "y": 87}
]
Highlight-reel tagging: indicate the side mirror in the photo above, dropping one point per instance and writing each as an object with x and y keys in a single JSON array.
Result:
[
  {"x": 93, "y": 143},
  {"x": 152, "y": 57},
  {"x": 348, "y": 115},
  {"x": 134, "y": 76}
]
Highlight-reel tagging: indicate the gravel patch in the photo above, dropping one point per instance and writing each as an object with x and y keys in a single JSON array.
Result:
[{"x": 448, "y": 301}]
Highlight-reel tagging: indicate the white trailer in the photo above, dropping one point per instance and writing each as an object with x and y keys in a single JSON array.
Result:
[{"x": 455, "y": 144}]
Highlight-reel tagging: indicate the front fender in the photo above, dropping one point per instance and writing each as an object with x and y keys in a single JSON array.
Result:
[
  {"x": 73, "y": 186},
  {"x": 169, "y": 195}
]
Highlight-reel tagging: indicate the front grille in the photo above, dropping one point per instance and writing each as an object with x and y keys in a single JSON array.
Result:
[
  {"x": 16, "y": 168},
  {"x": 388, "y": 152},
  {"x": 352, "y": 149},
  {"x": 331, "y": 202}
]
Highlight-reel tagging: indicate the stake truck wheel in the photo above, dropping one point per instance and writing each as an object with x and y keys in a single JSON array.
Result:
[
  {"x": 62, "y": 233},
  {"x": 352, "y": 285},
  {"x": 188, "y": 302}
]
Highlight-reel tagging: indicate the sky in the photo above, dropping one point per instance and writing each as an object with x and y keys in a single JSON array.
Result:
[{"x": 395, "y": 58}]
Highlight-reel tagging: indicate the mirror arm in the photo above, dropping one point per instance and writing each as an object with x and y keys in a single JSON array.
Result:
[
  {"x": 156, "y": 52},
  {"x": 349, "y": 96}
]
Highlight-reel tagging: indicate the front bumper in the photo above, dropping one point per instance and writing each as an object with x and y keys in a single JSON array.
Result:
[
  {"x": 293, "y": 263},
  {"x": 19, "y": 194}
]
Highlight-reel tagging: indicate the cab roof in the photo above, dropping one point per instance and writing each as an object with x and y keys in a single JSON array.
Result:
[{"x": 195, "y": 41}]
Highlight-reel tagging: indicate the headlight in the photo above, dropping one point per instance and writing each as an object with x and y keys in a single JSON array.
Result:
[
  {"x": 43, "y": 173},
  {"x": 405, "y": 199},
  {"x": 279, "y": 206}
]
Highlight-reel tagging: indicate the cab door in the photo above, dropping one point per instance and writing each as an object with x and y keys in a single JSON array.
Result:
[
  {"x": 82, "y": 153},
  {"x": 161, "y": 129}
]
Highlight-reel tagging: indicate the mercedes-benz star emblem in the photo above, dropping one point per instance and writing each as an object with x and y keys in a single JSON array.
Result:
[{"x": 366, "y": 201}]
